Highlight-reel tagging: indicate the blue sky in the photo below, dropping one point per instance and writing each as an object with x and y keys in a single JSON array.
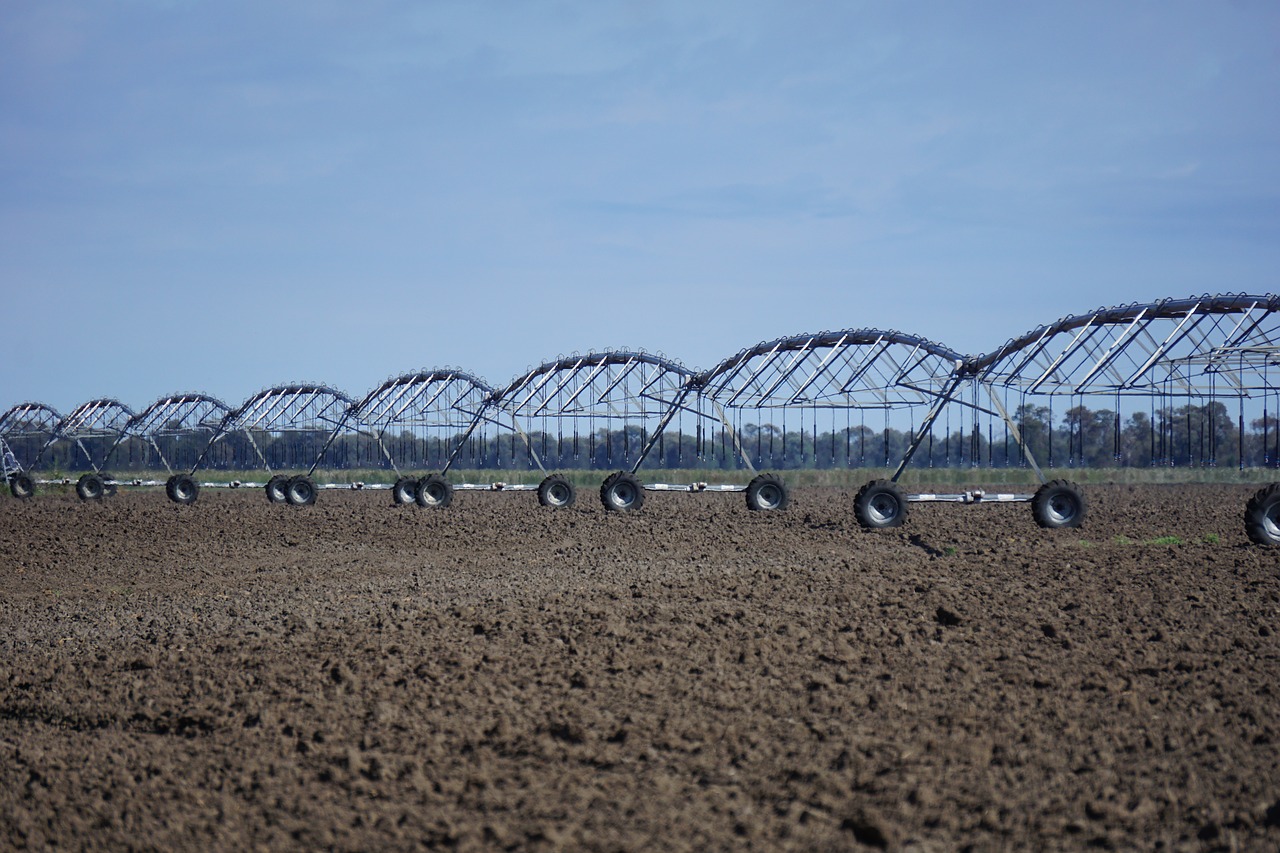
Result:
[{"x": 222, "y": 196}]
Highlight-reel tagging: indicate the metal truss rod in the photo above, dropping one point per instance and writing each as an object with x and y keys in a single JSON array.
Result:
[
  {"x": 667, "y": 416},
  {"x": 1013, "y": 429},
  {"x": 926, "y": 424}
]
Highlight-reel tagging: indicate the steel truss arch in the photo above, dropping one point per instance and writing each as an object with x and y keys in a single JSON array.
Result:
[
  {"x": 94, "y": 428},
  {"x": 826, "y": 372},
  {"x": 1198, "y": 346},
  {"x": 854, "y": 368},
  {"x": 624, "y": 399},
  {"x": 27, "y": 429},
  {"x": 175, "y": 428},
  {"x": 417, "y": 421},
  {"x": 286, "y": 427}
]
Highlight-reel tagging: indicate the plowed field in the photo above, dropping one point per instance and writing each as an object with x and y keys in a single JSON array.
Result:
[{"x": 694, "y": 676}]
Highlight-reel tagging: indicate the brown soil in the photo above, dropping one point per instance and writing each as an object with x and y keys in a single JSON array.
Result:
[{"x": 495, "y": 675}]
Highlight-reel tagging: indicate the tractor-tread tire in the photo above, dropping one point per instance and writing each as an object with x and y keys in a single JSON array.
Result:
[
  {"x": 621, "y": 492},
  {"x": 21, "y": 486},
  {"x": 880, "y": 504},
  {"x": 1058, "y": 504},
  {"x": 1262, "y": 516},
  {"x": 556, "y": 492},
  {"x": 300, "y": 491},
  {"x": 405, "y": 491},
  {"x": 182, "y": 489},
  {"x": 767, "y": 493},
  {"x": 90, "y": 487},
  {"x": 276, "y": 489},
  {"x": 434, "y": 492}
]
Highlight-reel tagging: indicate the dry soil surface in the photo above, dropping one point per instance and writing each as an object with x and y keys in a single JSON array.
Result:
[{"x": 353, "y": 675}]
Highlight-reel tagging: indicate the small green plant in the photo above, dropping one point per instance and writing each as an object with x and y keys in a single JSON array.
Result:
[
  {"x": 1212, "y": 539},
  {"x": 949, "y": 550},
  {"x": 1159, "y": 540}
]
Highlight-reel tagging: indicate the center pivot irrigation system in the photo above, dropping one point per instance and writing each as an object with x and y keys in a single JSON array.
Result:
[
  {"x": 1207, "y": 348},
  {"x": 621, "y": 410}
]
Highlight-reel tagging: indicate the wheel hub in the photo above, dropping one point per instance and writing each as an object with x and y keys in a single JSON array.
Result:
[
  {"x": 1062, "y": 508},
  {"x": 883, "y": 508},
  {"x": 769, "y": 497}
]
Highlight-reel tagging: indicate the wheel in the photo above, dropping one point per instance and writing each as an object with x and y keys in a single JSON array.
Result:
[
  {"x": 1058, "y": 503},
  {"x": 109, "y": 485},
  {"x": 1262, "y": 516},
  {"x": 300, "y": 491},
  {"x": 767, "y": 492},
  {"x": 880, "y": 504},
  {"x": 182, "y": 489},
  {"x": 21, "y": 486},
  {"x": 621, "y": 492},
  {"x": 90, "y": 488},
  {"x": 556, "y": 492},
  {"x": 434, "y": 491},
  {"x": 404, "y": 491},
  {"x": 276, "y": 489}
]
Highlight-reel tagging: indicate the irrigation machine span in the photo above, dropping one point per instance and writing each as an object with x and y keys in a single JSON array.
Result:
[
  {"x": 1199, "y": 351},
  {"x": 610, "y": 410},
  {"x": 1190, "y": 373},
  {"x": 1206, "y": 352},
  {"x": 86, "y": 437},
  {"x": 285, "y": 430},
  {"x": 419, "y": 425},
  {"x": 827, "y": 384},
  {"x": 25, "y": 430}
]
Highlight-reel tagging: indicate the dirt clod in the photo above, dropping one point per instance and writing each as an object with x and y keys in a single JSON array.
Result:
[{"x": 946, "y": 618}]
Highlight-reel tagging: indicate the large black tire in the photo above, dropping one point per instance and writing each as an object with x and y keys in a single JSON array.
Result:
[
  {"x": 300, "y": 491},
  {"x": 405, "y": 491},
  {"x": 182, "y": 489},
  {"x": 21, "y": 486},
  {"x": 277, "y": 489},
  {"x": 109, "y": 485},
  {"x": 90, "y": 487},
  {"x": 556, "y": 492},
  {"x": 1262, "y": 516},
  {"x": 880, "y": 504},
  {"x": 1058, "y": 504},
  {"x": 767, "y": 492},
  {"x": 621, "y": 492},
  {"x": 434, "y": 492}
]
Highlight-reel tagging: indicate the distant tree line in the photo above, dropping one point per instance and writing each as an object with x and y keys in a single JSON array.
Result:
[{"x": 1192, "y": 435}]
